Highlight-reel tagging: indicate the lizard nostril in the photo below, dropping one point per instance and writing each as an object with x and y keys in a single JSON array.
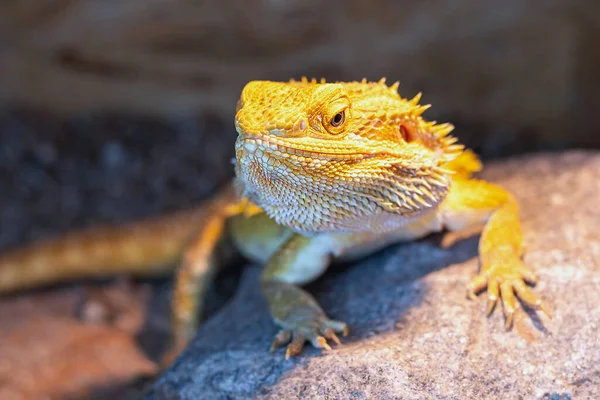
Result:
[{"x": 299, "y": 126}]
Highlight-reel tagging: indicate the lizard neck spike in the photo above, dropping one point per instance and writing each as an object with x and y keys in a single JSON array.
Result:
[
  {"x": 415, "y": 100},
  {"x": 394, "y": 87},
  {"x": 442, "y": 130},
  {"x": 382, "y": 81},
  {"x": 421, "y": 109}
]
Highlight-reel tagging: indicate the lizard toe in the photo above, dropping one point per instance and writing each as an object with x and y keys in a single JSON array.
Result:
[
  {"x": 506, "y": 282},
  {"x": 318, "y": 330}
]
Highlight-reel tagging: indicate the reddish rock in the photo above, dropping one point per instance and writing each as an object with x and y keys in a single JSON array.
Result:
[{"x": 46, "y": 352}]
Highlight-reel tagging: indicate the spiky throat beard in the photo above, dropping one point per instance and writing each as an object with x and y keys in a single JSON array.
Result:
[{"x": 320, "y": 186}]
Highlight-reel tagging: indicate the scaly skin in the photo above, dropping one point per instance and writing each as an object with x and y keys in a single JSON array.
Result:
[{"x": 325, "y": 172}]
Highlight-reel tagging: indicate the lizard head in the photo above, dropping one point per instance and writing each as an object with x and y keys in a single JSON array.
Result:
[{"x": 339, "y": 157}]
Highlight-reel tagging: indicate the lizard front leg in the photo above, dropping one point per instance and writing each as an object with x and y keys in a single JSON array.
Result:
[
  {"x": 298, "y": 261},
  {"x": 474, "y": 202}
]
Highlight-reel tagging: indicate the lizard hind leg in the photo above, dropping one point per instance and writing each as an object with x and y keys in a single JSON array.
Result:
[{"x": 198, "y": 266}]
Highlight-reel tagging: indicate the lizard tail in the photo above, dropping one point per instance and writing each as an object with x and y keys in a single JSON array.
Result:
[{"x": 146, "y": 248}]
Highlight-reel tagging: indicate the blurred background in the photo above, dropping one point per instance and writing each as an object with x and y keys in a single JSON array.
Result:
[{"x": 112, "y": 111}]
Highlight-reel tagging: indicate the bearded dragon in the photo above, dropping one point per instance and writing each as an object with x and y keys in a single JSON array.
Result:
[{"x": 323, "y": 172}]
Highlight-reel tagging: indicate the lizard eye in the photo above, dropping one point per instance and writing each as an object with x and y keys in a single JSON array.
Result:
[{"x": 338, "y": 119}]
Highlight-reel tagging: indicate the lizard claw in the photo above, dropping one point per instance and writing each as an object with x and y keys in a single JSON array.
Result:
[
  {"x": 330, "y": 335},
  {"x": 504, "y": 282},
  {"x": 316, "y": 330},
  {"x": 284, "y": 336}
]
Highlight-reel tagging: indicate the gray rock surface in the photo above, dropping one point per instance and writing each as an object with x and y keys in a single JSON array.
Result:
[{"x": 414, "y": 334}]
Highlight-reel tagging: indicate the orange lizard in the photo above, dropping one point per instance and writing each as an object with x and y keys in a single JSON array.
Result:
[{"x": 324, "y": 171}]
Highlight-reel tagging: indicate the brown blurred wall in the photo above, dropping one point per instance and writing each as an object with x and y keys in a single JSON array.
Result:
[{"x": 529, "y": 66}]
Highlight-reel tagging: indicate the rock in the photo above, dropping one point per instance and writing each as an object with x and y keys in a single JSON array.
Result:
[
  {"x": 414, "y": 335},
  {"x": 46, "y": 352}
]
